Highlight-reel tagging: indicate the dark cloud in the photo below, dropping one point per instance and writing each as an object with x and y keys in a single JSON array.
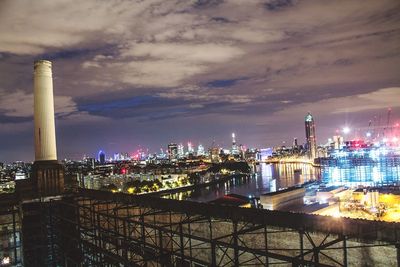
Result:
[
  {"x": 275, "y": 5},
  {"x": 220, "y": 19},
  {"x": 14, "y": 119},
  {"x": 146, "y": 106},
  {"x": 224, "y": 83},
  {"x": 151, "y": 72},
  {"x": 207, "y": 3}
]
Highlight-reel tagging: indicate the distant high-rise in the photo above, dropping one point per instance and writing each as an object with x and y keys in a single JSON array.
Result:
[
  {"x": 102, "y": 157},
  {"x": 235, "y": 149},
  {"x": 190, "y": 148},
  {"x": 214, "y": 154},
  {"x": 310, "y": 136},
  {"x": 181, "y": 151},
  {"x": 338, "y": 141},
  {"x": 295, "y": 144},
  {"x": 200, "y": 150},
  {"x": 172, "y": 151}
]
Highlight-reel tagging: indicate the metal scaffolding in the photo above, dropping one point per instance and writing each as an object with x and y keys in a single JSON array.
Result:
[
  {"x": 10, "y": 231},
  {"x": 95, "y": 228}
]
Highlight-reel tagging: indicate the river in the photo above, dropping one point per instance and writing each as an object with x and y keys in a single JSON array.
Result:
[{"x": 265, "y": 178}]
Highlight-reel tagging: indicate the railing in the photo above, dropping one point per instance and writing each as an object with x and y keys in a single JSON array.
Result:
[{"x": 133, "y": 230}]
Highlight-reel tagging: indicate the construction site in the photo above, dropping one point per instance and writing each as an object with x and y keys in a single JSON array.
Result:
[{"x": 97, "y": 228}]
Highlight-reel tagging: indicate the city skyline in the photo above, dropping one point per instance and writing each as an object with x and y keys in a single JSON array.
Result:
[{"x": 154, "y": 73}]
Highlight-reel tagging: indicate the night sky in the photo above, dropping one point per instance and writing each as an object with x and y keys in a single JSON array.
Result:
[{"x": 146, "y": 73}]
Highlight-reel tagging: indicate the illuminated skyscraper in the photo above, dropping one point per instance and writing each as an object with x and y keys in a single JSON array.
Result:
[
  {"x": 214, "y": 154},
  {"x": 190, "y": 148},
  {"x": 200, "y": 150},
  {"x": 310, "y": 136},
  {"x": 102, "y": 157},
  {"x": 338, "y": 142},
  {"x": 181, "y": 151},
  {"x": 172, "y": 151},
  {"x": 235, "y": 149}
]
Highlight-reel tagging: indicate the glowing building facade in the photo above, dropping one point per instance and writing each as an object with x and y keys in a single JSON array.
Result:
[
  {"x": 181, "y": 151},
  {"x": 172, "y": 151},
  {"x": 355, "y": 166},
  {"x": 310, "y": 136},
  {"x": 102, "y": 157},
  {"x": 200, "y": 150},
  {"x": 190, "y": 148},
  {"x": 235, "y": 148}
]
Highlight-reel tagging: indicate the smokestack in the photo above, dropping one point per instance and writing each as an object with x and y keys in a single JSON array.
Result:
[
  {"x": 47, "y": 173},
  {"x": 45, "y": 135},
  {"x": 46, "y": 182}
]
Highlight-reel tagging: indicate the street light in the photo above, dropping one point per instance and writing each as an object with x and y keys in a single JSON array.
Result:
[
  {"x": 5, "y": 261},
  {"x": 346, "y": 130}
]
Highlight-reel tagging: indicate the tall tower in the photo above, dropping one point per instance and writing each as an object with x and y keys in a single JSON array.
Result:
[
  {"x": 102, "y": 157},
  {"x": 190, "y": 148},
  {"x": 235, "y": 149},
  {"x": 45, "y": 134},
  {"x": 310, "y": 136},
  {"x": 172, "y": 151},
  {"x": 47, "y": 173}
]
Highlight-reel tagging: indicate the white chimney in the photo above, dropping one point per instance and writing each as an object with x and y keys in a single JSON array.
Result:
[{"x": 45, "y": 135}]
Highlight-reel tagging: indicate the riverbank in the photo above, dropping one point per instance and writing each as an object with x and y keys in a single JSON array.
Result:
[
  {"x": 222, "y": 179},
  {"x": 291, "y": 161}
]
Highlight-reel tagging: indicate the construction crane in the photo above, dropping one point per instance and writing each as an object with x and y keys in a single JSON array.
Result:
[
  {"x": 387, "y": 128},
  {"x": 379, "y": 126},
  {"x": 369, "y": 134}
]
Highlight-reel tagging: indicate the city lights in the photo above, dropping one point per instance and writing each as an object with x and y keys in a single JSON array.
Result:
[
  {"x": 346, "y": 130},
  {"x": 199, "y": 133},
  {"x": 5, "y": 261}
]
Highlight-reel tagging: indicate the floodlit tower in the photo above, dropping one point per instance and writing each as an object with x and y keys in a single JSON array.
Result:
[
  {"x": 200, "y": 150},
  {"x": 310, "y": 136},
  {"x": 45, "y": 133},
  {"x": 190, "y": 148},
  {"x": 48, "y": 174},
  {"x": 235, "y": 149},
  {"x": 102, "y": 157},
  {"x": 181, "y": 151}
]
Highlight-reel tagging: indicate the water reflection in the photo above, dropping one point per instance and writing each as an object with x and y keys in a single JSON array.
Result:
[
  {"x": 266, "y": 178},
  {"x": 272, "y": 177}
]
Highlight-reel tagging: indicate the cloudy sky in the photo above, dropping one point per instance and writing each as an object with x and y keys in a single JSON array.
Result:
[{"x": 149, "y": 72}]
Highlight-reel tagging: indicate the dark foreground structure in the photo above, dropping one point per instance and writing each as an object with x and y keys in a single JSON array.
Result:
[{"x": 96, "y": 228}]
